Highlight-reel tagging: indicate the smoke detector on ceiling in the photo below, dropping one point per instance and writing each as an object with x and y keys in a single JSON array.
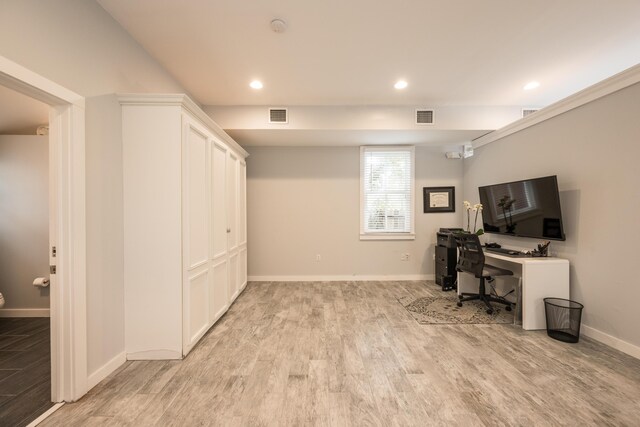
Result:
[{"x": 278, "y": 25}]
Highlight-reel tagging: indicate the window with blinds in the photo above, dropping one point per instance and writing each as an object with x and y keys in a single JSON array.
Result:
[{"x": 387, "y": 192}]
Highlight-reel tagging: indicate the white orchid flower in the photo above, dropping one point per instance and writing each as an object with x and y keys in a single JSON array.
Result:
[{"x": 467, "y": 205}]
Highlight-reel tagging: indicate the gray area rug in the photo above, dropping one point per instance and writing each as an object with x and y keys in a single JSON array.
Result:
[{"x": 443, "y": 310}]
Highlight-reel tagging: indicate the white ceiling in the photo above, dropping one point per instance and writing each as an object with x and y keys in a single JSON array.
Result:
[
  {"x": 456, "y": 55},
  {"x": 19, "y": 114},
  {"x": 338, "y": 52}
]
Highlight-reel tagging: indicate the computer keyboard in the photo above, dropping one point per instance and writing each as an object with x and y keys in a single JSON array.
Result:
[{"x": 504, "y": 251}]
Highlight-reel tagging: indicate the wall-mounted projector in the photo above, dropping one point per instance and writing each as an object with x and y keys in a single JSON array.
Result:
[{"x": 468, "y": 151}]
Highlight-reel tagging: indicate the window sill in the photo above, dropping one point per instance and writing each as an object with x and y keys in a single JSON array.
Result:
[{"x": 388, "y": 236}]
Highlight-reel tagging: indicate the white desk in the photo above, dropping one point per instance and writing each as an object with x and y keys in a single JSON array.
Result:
[{"x": 541, "y": 278}]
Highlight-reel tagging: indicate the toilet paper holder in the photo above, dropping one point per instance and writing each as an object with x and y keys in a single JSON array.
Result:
[{"x": 41, "y": 282}]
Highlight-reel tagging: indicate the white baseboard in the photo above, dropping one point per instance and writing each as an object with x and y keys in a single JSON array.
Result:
[
  {"x": 617, "y": 343},
  {"x": 106, "y": 369},
  {"x": 155, "y": 355},
  {"x": 345, "y": 278},
  {"x": 24, "y": 312}
]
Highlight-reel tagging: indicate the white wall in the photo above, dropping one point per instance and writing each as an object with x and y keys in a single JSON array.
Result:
[
  {"x": 594, "y": 151},
  {"x": 24, "y": 220},
  {"x": 358, "y": 117},
  {"x": 304, "y": 201},
  {"x": 78, "y": 45}
]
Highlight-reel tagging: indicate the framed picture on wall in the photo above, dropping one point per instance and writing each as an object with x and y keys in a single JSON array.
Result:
[{"x": 439, "y": 199}]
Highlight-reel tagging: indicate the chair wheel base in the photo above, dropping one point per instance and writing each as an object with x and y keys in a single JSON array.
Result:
[
  {"x": 489, "y": 311},
  {"x": 508, "y": 308},
  {"x": 459, "y": 304}
]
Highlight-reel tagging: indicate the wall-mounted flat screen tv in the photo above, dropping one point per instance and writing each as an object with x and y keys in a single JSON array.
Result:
[{"x": 527, "y": 208}]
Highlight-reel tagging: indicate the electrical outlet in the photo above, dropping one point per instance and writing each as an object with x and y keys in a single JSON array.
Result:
[
  {"x": 318, "y": 258},
  {"x": 404, "y": 257}
]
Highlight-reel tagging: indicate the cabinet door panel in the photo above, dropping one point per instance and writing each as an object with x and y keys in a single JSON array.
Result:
[
  {"x": 198, "y": 309},
  {"x": 196, "y": 198},
  {"x": 232, "y": 208},
  {"x": 219, "y": 202},
  {"x": 219, "y": 294},
  {"x": 242, "y": 203},
  {"x": 234, "y": 287},
  {"x": 242, "y": 268}
]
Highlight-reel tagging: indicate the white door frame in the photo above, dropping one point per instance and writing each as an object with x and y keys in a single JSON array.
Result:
[{"x": 67, "y": 227}]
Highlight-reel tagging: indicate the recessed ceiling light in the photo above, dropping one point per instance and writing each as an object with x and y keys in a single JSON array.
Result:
[
  {"x": 256, "y": 84},
  {"x": 401, "y": 84},
  {"x": 531, "y": 85}
]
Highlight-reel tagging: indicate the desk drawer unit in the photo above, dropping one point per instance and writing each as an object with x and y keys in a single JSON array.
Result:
[
  {"x": 445, "y": 265},
  {"x": 443, "y": 240}
]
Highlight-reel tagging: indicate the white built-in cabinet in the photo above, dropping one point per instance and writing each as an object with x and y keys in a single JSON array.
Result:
[{"x": 185, "y": 235}]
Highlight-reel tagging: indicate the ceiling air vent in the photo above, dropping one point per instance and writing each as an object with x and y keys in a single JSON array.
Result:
[
  {"x": 278, "y": 115},
  {"x": 424, "y": 117},
  {"x": 527, "y": 111}
]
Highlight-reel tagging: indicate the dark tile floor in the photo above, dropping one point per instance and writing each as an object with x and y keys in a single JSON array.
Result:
[{"x": 25, "y": 369}]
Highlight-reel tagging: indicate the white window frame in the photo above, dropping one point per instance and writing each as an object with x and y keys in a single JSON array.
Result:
[{"x": 410, "y": 235}]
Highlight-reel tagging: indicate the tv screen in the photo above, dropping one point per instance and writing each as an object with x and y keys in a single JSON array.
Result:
[{"x": 527, "y": 208}]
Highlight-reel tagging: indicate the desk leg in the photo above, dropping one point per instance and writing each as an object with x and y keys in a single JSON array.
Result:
[
  {"x": 539, "y": 281},
  {"x": 517, "y": 316}
]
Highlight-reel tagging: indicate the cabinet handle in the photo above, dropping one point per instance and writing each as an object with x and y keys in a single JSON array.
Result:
[{"x": 228, "y": 230}]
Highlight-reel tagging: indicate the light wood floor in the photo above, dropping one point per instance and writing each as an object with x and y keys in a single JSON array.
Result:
[{"x": 347, "y": 353}]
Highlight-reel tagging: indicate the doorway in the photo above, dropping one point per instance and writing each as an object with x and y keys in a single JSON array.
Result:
[
  {"x": 67, "y": 229},
  {"x": 25, "y": 345}
]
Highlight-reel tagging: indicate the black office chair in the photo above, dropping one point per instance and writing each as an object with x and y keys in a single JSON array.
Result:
[{"x": 471, "y": 260}]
